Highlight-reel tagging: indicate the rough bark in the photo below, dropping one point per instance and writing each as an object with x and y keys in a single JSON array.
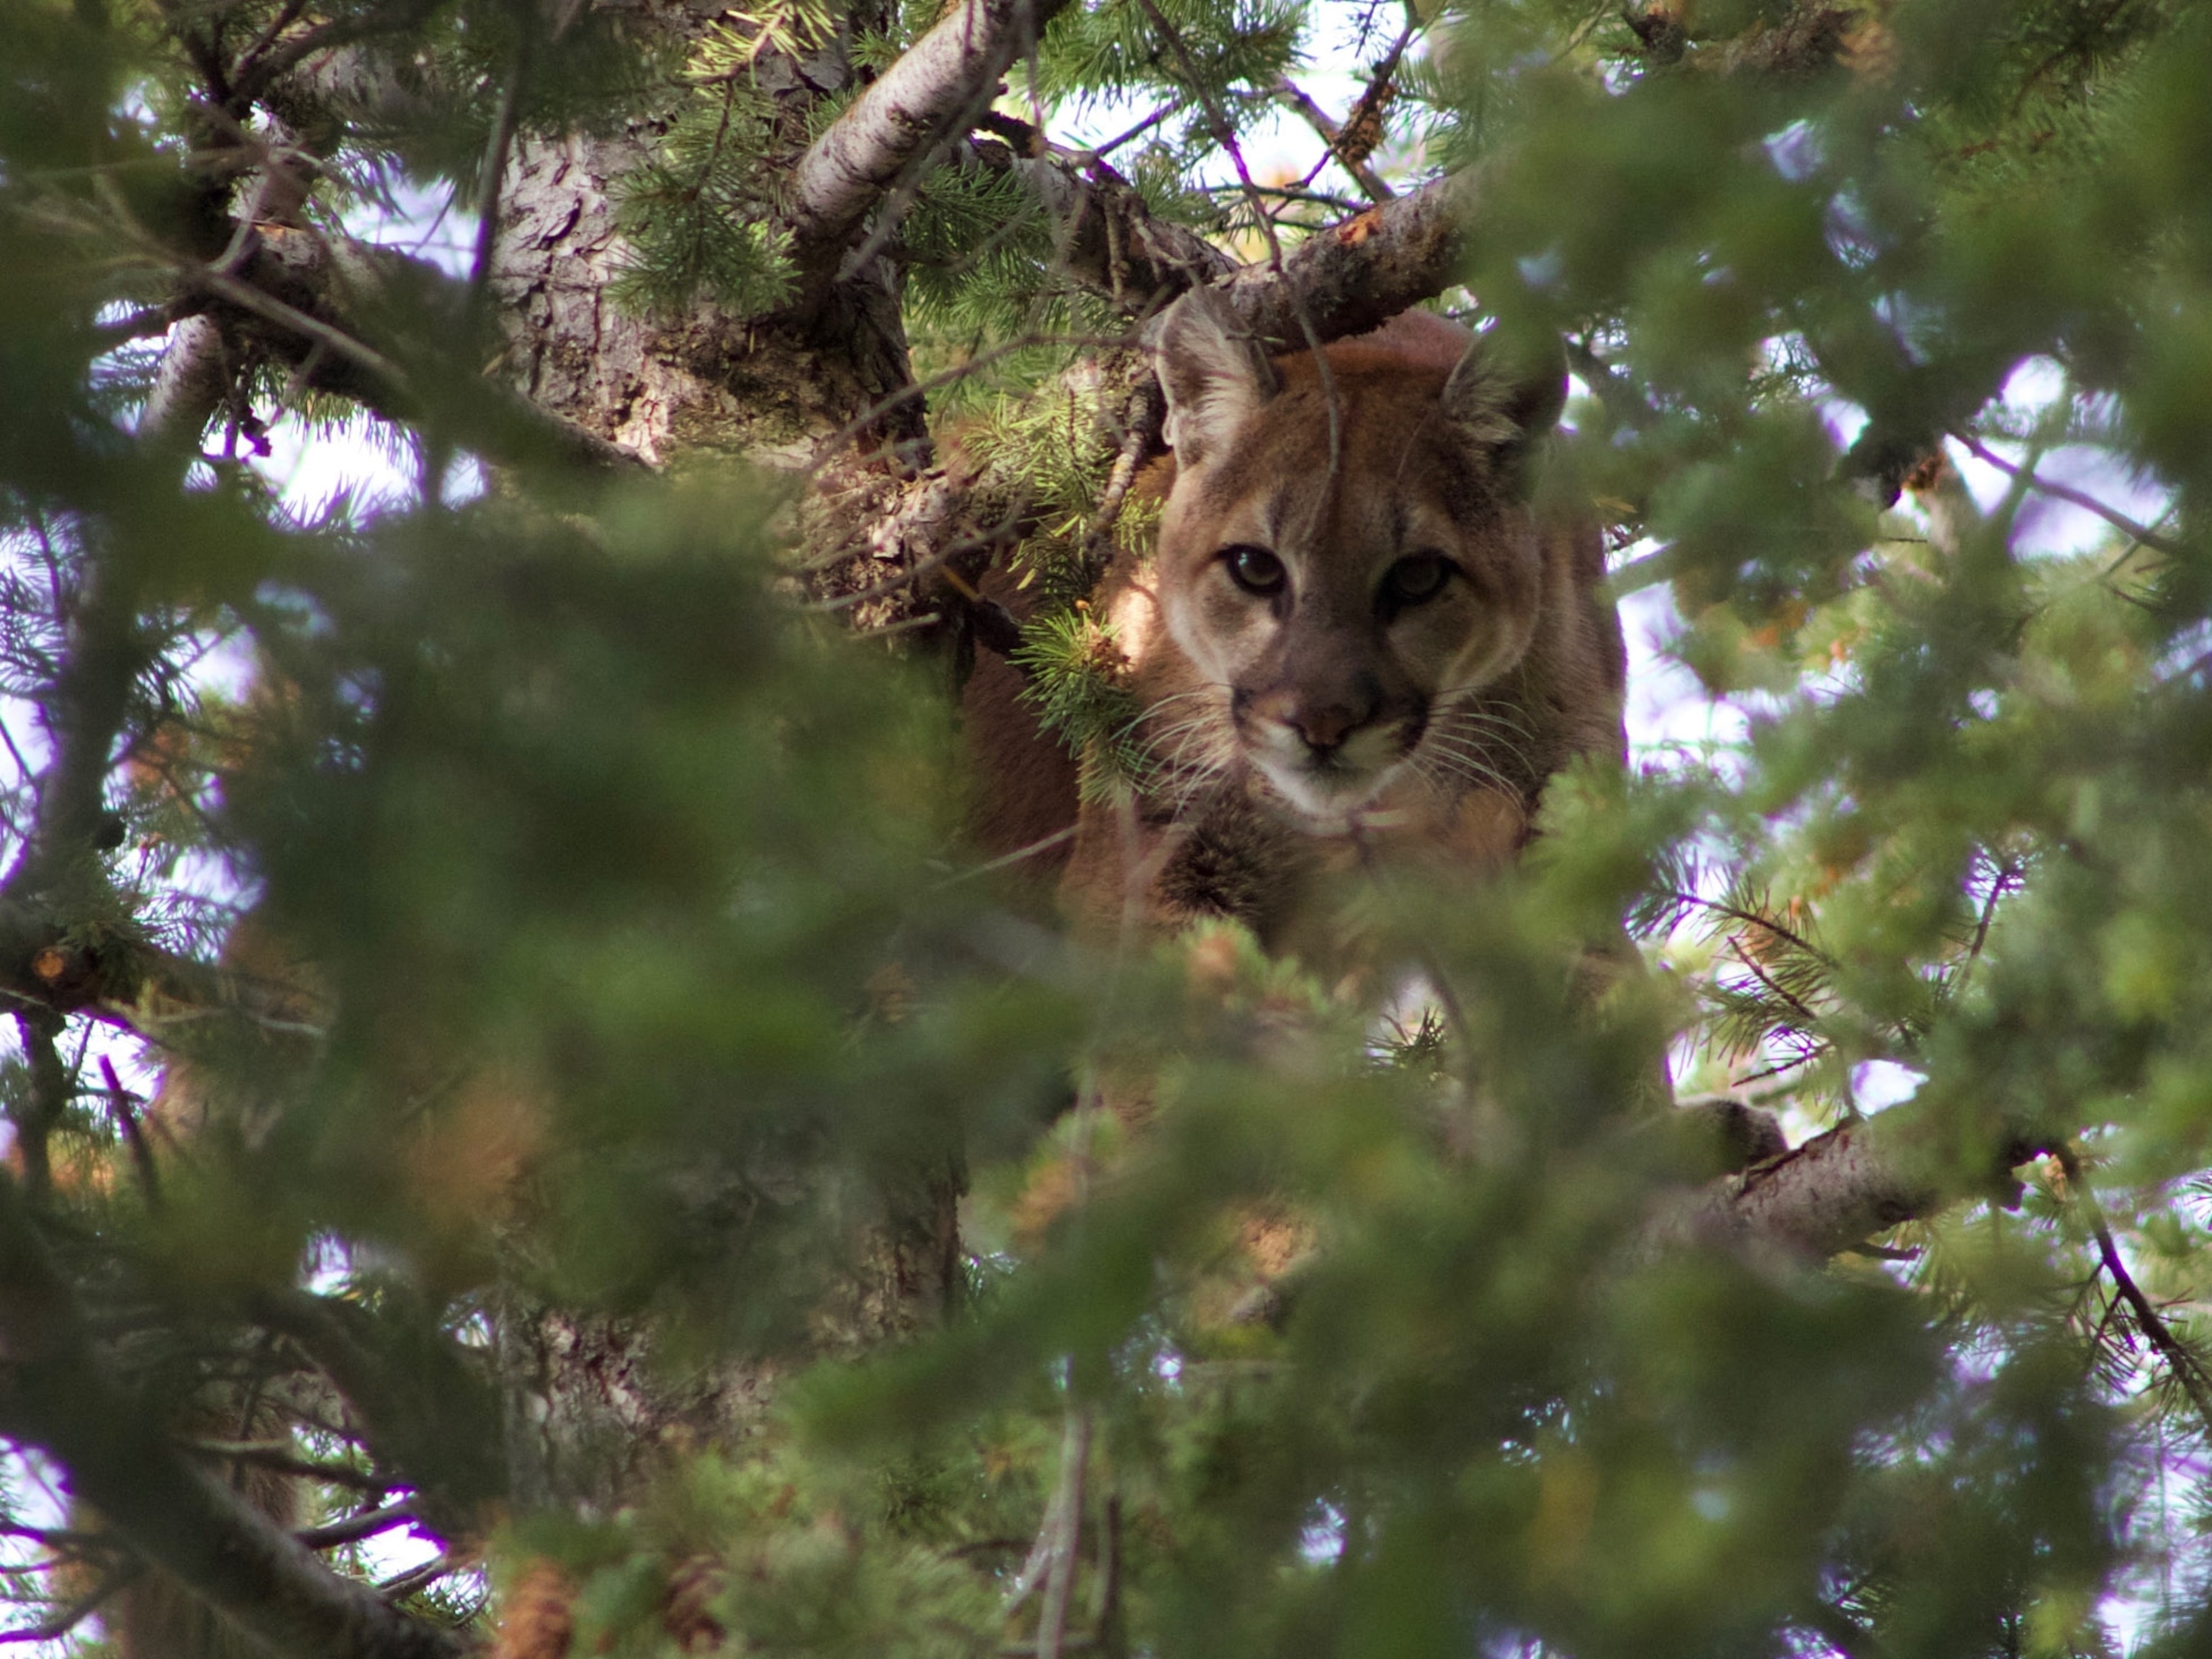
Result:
[
  {"x": 1837, "y": 1189},
  {"x": 591, "y": 1403}
]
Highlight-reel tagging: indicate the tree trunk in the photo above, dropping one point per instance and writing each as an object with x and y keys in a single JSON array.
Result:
[{"x": 812, "y": 392}]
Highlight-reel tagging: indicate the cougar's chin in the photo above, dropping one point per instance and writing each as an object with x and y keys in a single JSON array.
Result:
[{"x": 1330, "y": 796}]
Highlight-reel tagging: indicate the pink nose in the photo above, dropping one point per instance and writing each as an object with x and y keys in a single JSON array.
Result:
[{"x": 1325, "y": 729}]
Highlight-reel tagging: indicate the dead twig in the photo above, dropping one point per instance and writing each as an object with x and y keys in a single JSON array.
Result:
[{"x": 2188, "y": 1371}]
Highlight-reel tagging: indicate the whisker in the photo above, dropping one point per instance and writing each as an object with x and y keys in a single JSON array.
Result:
[{"x": 1484, "y": 719}]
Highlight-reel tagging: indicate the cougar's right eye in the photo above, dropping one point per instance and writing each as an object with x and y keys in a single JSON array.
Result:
[{"x": 1255, "y": 570}]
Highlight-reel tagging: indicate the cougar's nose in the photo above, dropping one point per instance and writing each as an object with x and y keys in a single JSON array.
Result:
[{"x": 1326, "y": 726}]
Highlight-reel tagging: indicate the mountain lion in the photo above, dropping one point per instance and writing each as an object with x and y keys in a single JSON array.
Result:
[{"x": 1355, "y": 638}]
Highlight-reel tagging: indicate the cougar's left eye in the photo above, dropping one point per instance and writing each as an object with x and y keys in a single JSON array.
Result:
[
  {"x": 1254, "y": 569},
  {"x": 1416, "y": 578}
]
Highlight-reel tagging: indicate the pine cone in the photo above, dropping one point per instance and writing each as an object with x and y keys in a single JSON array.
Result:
[
  {"x": 692, "y": 1588},
  {"x": 1361, "y": 134},
  {"x": 537, "y": 1622}
]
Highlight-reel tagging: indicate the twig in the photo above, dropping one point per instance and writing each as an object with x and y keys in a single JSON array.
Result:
[
  {"x": 271, "y": 1456},
  {"x": 827, "y": 450},
  {"x": 1004, "y": 531},
  {"x": 1288, "y": 92},
  {"x": 62, "y": 1623},
  {"x": 1146, "y": 413},
  {"x": 496, "y": 155},
  {"x": 1165, "y": 112},
  {"x": 1106, "y": 1602},
  {"x": 90, "y": 700},
  {"x": 2187, "y": 1370},
  {"x": 300, "y": 47},
  {"x": 2119, "y": 520},
  {"x": 1286, "y": 193},
  {"x": 122, "y": 1110},
  {"x": 402, "y": 1585},
  {"x": 2000, "y": 884},
  {"x": 1044, "y": 844},
  {"x": 1226, "y": 134},
  {"x": 1754, "y": 919},
  {"x": 1065, "y": 1523},
  {"x": 141, "y": 323},
  {"x": 58, "y": 1396},
  {"x": 1843, "y": 1632},
  {"x": 287, "y": 14},
  {"x": 246, "y": 297},
  {"x": 1811, "y": 1019},
  {"x": 354, "y": 1527}
]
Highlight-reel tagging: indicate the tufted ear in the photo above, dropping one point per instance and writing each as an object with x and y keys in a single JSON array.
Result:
[
  {"x": 1213, "y": 371},
  {"x": 1507, "y": 395}
]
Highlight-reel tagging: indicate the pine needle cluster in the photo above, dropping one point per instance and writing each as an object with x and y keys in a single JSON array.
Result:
[
  {"x": 1078, "y": 679},
  {"x": 696, "y": 215}
]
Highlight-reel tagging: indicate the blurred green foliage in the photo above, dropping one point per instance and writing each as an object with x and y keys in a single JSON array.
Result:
[{"x": 649, "y": 974}]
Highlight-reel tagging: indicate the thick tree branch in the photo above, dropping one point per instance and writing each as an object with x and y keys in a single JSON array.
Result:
[
  {"x": 49, "y": 961},
  {"x": 1837, "y": 1189},
  {"x": 930, "y": 97},
  {"x": 1358, "y": 274},
  {"x": 41, "y": 1111},
  {"x": 190, "y": 385},
  {"x": 54, "y": 1394},
  {"x": 90, "y": 703},
  {"x": 361, "y": 321}
]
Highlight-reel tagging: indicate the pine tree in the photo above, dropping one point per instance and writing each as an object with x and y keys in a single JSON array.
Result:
[{"x": 514, "y": 1052}]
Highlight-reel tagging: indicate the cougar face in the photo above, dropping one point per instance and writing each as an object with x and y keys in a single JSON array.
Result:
[{"x": 1346, "y": 561}]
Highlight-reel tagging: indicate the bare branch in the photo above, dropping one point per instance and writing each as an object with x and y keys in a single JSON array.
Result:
[
  {"x": 1107, "y": 238},
  {"x": 123, "y": 1109},
  {"x": 67, "y": 1619},
  {"x": 1332, "y": 134},
  {"x": 354, "y": 1527},
  {"x": 2119, "y": 520},
  {"x": 1064, "y": 1523},
  {"x": 424, "y": 1412},
  {"x": 2187, "y": 1370}
]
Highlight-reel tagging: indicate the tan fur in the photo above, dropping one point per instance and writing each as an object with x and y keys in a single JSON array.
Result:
[{"x": 1299, "y": 733}]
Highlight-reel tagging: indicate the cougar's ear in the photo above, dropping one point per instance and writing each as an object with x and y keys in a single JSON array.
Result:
[
  {"x": 1505, "y": 395},
  {"x": 1214, "y": 373}
]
